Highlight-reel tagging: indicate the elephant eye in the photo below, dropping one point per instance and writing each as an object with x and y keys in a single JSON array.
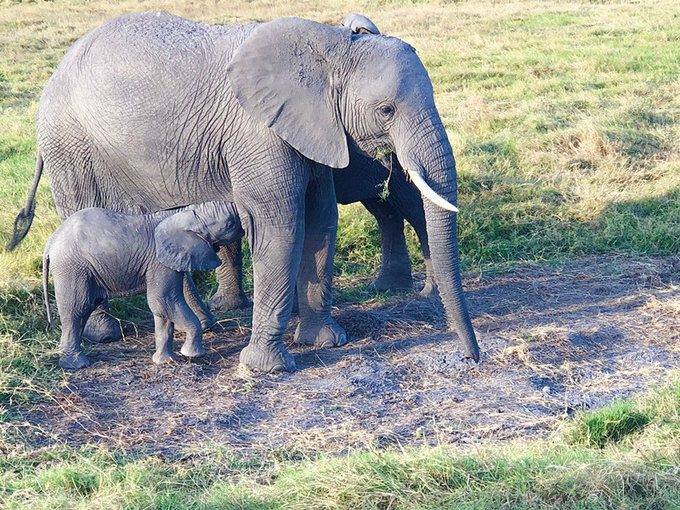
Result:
[{"x": 387, "y": 110}]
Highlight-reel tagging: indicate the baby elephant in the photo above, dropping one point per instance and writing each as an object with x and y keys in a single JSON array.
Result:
[{"x": 97, "y": 253}]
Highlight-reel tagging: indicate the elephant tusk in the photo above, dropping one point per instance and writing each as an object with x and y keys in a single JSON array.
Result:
[{"x": 429, "y": 193}]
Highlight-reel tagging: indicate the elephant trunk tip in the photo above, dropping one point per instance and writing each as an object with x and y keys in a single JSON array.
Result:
[{"x": 473, "y": 354}]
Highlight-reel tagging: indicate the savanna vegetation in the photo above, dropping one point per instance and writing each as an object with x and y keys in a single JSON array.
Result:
[{"x": 564, "y": 118}]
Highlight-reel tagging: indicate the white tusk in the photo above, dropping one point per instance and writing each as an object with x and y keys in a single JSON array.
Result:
[{"x": 429, "y": 193}]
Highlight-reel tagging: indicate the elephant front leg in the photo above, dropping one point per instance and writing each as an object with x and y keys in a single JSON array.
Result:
[
  {"x": 276, "y": 259},
  {"x": 395, "y": 270},
  {"x": 315, "y": 279},
  {"x": 193, "y": 299},
  {"x": 229, "y": 294},
  {"x": 164, "y": 332}
]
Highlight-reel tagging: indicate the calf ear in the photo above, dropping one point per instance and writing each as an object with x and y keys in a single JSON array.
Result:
[{"x": 181, "y": 245}]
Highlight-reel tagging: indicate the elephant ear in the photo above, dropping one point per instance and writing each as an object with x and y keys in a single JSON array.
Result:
[
  {"x": 182, "y": 245},
  {"x": 282, "y": 75},
  {"x": 359, "y": 24}
]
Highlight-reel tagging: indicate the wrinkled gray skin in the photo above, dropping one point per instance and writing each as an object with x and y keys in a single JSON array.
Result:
[
  {"x": 403, "y": 201},
  {"x": 98, "y": 254},
  {"x": 154, "y": 111},
  {"x": 362, "y": 181}
]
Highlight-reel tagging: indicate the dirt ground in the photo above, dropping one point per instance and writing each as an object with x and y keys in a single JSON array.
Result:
[{"x": 554, "y": 339}]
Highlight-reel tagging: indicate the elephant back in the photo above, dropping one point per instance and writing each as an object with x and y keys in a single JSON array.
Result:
[{"x": 128, "y": 106}]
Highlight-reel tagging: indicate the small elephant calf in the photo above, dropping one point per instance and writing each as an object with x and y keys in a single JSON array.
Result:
[{"x": 98, "y": 253}]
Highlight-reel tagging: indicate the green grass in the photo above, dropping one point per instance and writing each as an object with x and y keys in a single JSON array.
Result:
[
  {"x": 632, "y": 471},
  {"x": 564, "y": 119}
]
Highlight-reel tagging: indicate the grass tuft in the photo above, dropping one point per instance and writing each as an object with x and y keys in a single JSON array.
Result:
[{"x": 610, "y": 424}]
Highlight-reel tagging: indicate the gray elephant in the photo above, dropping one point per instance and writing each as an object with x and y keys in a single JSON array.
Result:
[
  {"x": 98, "y": 254},
  {"x": 150, "y": 111},
  {"x": 362, "y": 181}
]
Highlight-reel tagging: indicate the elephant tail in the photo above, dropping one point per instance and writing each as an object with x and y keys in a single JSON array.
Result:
[
  {"x": 24, "y": 219},
  {"x": 46, "y": 280}
]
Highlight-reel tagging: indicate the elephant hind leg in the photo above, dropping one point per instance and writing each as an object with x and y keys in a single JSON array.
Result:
[
  {"x": 71, "y": 355},
  {"x": 75, "y": 303},
  {"x": 315, "y": 279},
  {"x": 229, "y": 294},
  {"x": 395, "y": 270},
  {"x": 102, "y": 327}
]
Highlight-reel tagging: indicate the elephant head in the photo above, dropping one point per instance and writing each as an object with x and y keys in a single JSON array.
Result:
[
  {"x": 188, "y": 239},
  {"x": 327, "y": 92}
]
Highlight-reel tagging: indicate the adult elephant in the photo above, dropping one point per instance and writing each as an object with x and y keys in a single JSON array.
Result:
[
  {"x": 150, "y": 111},
  {"x": 362, "y": 181}
]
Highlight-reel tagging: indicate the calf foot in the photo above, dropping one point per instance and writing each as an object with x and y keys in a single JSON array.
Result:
[
  {"x": 221, "y": 302},
  {"x": 74, "y": 361},
  {"x": 163, "y": 357},
  {"x": 192, "y": 350},
  {"x": 325, "y": 335},
  {"x": 267, "y": 360},
  {"x": 102, "y": 328}
]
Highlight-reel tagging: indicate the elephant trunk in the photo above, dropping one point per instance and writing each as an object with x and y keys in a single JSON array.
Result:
[{"x": 429, "y": 157}]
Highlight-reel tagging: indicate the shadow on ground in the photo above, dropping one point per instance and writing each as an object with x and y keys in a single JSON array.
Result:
[{"x": 554, "y": 339}]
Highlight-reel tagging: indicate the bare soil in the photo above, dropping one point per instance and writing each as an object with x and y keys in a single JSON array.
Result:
[{"x": 554, "y": 339}]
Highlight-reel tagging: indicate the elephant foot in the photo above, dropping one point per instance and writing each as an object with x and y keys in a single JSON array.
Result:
[
  {"x": 393, "y": 282},
  {"x": 164, "y": 357},
  {"x": 208, "y": 322},
  {"x": 192, "y": 350},
  {"x": 275, "y": 359},
  {"x": 429, "y": 291},
  {"x": 327, "y": 335},
  {"x": 221, "y": 302},
  {"x": 102, "y": 328},
  {"x": 74, "y": 362}
]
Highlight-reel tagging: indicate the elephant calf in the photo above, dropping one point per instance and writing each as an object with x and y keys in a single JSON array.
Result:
[{"x": 98, "y": 254}]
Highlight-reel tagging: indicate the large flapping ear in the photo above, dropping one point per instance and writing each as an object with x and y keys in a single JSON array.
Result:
[
  {"x": 282, "y": 76},
  {"x": 182, "y": 245},
  {"x": 359, "y": 24}
]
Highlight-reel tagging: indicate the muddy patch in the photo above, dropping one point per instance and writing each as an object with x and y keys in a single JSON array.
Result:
[{"x": 554, "y": 340}]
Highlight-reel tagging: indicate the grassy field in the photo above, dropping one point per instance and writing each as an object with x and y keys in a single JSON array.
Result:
[{"x": 564, "y": 118}]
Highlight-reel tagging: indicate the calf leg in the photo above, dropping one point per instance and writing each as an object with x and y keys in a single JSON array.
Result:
[
  {"x": 193, "y": 299},
  {"x": 75, "y": 303},
  {"x": 165, "y": 296},
  {"x": 164, "y": 333},
  {"x": 185, "y": 320}
]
